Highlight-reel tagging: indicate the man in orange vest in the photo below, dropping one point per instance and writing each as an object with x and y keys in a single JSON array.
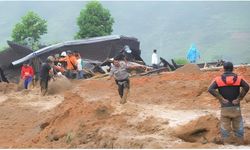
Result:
[
  {"x": 27, "y": 74},
  {"x": 230, "y": 94},
  {"x": 71, "y": 64}
]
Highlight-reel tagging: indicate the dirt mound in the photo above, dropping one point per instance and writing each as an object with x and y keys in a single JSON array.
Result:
[
  {"x": 202, "y": 130},
  {"x": 8, "y": 87},
  {"x": 64, "y": 128},
  {"x": 59, "y": 85},
  {"x": 189, "y": 68}
]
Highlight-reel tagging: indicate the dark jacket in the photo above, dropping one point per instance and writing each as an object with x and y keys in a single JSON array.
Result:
[
  {"x": 45, "y": 71},
  {"x": 228, "y": 85},
  {"x": 2, "y": 76}
]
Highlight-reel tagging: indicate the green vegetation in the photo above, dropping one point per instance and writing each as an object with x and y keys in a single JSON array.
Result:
[
  {"x": 94, "y": 21},
  {"x": 29, "y": 30},
  {"x": 181, "y": 61},
  {"x": 220, "y": 29},
  {"x": 2, "y": 48}
]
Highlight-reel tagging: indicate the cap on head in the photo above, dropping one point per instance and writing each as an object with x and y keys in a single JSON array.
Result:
[{"x": 228, "y": 66}]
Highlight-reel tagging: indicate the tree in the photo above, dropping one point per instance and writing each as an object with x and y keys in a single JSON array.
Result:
[
  {"x": 29, "y": 30},
  {"x": 94, "y": 21}
]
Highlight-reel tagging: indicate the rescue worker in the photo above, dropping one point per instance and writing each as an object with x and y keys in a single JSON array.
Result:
[
  {"x": 119, "y": 70},
  {"x": 230, "y": 95},
  {"x": 64, "y": 63},
  {"x": 127, "y": 53},
  {"x": 45, "y": 74},
  {"x": 71, "y": 64},
  {"x": 27, "y": 74}
]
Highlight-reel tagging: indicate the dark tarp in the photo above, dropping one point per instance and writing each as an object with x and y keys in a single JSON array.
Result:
[
  {"x": 13, "y": 53},
  {"x": 9, "y": 55},
  {"x": 2, "y": 76},
  {"x": 98, "y": 49}
]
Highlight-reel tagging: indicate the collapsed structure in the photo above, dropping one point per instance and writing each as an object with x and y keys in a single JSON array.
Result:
[{"x": 93, "y": 50}]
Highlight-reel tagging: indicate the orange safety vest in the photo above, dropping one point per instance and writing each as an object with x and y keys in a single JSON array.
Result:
[
  {"x": 229, "y": 81},
  {"x": 70, "y": 62}
]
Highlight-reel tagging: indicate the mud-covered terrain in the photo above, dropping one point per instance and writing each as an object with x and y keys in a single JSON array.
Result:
[{"x": 166, "y": 110}]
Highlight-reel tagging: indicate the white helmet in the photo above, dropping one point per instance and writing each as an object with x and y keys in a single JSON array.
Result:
[
  {"x": 127, "y": 49},
  {"x": 63, "y": 54}
]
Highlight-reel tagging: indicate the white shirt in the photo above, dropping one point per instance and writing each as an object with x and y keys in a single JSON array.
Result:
[
  {"x": 154, "y": 59},
  {"x": 79, "y": 64}
]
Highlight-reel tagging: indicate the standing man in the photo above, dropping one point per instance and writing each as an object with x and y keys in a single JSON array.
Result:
[
  {"x": 229, "y": 95},
  {"x": 45, "y": 75},
  {"x": 193, "y": 54},
  {"x": 80, "y": 65},
  {"x": 155, "y": 59},
  {"x": 27, "y": 74}
]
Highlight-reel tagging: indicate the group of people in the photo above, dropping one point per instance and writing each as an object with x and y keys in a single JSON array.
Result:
[
  {"x": 68, "y": 63},
  {"x": 229, "y": 88}
]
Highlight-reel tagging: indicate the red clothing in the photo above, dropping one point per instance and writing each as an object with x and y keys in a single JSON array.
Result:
[{"x": 27, "y": 71}]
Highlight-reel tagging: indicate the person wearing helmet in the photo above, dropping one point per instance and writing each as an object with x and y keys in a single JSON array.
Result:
[
  {"x": 62, "y": 59},
  {"x": 230, "y": 95},
  {"x": 45, "y": 74},
  {"x": 71, "y": 64},
  {"x": 63, "y": 54}
]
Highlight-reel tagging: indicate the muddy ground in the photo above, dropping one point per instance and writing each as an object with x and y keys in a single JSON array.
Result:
[{"x": 166, "y": 110}]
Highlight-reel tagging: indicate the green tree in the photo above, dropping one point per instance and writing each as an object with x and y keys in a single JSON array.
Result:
[
  {"x": 29, "y": 30},
  {"x": 94, "y": 21}
]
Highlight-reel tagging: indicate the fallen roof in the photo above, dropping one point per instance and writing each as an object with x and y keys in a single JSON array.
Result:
[
  {"x": 14, "y": 52},
  {"x": 106, "y": 48}
]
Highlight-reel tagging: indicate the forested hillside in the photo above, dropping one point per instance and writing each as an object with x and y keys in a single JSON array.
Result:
[{"x": 219, "y": 29}]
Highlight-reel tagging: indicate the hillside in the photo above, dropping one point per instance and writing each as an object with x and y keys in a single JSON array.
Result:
[
  {"x": 162, "y": 112},
  {"x": 219, "y": 29}
]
